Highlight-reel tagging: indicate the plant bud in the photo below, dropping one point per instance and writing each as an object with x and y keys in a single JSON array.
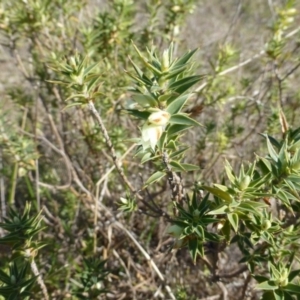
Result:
[
  {"x": 266, "y": 224},
  {"x": 175, "y": 231},
  {"x": 245, "y": 182},
  {"x": 165, "y": 61}
]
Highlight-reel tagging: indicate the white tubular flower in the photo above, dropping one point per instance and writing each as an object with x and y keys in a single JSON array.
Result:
[{"x": 153, "y": 129}]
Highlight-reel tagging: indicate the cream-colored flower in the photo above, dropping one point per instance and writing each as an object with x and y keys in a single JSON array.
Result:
[
  {"x": 153, "y": 129},
  {"x": 150, "y": 135},
  {"x": 159, "y": 118}
]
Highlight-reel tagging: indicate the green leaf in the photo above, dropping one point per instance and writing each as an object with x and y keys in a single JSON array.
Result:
[
  {"x": 282, "y": 195},
  {"x": 260, "y": 181},
  {"x": 272, "y": 151},
  {"x": 141, "y": 81},
  {"x": 177, "y": 167},
  {"x": 146, "y": 157},
  {"x": 295, "y": 146},
  {"x": 294, "y": 178},
  {"x": 139, "y": 114},
  {"x": 222, "y": 187},
  {"x": 293, "y": 288},
  {"x": 190, "y": 167},
  {"x": 229, "y": 172},
  {"x": 155, "y": 177},
  {"x": 219, "y": 193},
  {"x": 144, "y": 100},
  {"x": 264, "y": 165},
  {"x": 183, "y": 59},
  {"x": 181, "y": 119},
  {"x": 219, "y": 210},
  {"x": 294, "y": 274},
  {"x": 177, "y": 104},
  {"x": 162, "y": 140},
  {"x": 255, "y": 204},
  {"x": 226, "y": 230},
  {"x": 171, "y": 73},
  {"x": 267, "y": 285},
  {"x": 176, "y": 128},
  {"x": 146, "y": 63},
  {"x": 234, "y": 221},
  {"x": 184, "y": 84},
  {"x": 195, "y": 248},
  {"x": 260, "y": 278},
  {"x": 178, "y": 152},
  {"x": 84, "y": 96},
  {"x": 272, "y": 140}
]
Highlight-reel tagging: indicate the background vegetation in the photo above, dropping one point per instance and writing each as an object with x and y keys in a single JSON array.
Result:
[{"x": 82, "y": 217}]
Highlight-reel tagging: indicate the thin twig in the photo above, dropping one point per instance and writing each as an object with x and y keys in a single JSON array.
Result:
[
  {"x": 98, "y": 199},
  {"x": 116, "y": 254},
  {"x": 113, "y": 167},
  {"x": 174, "y": 181},
  {"x": 245, "y": 286},
  {"x": 245, "y": 62},
  {"x": 110, "y": 146},
  {"x": 36, "y": 272}
]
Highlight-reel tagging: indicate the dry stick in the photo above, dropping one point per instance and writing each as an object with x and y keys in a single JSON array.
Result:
[
  {"x": 116, "y": 254},
  {"x": 113, "y": 167},
  {"x": 60, "y": 152},
  {"x": 36, "y": 272},
  {"x": 246, "y": 62},
  {"x": 215, "y": 297},
  {"x": 110, "y": 146},
  {"x": 98, "y": 199},
  {"x": 245, "y": 286}
]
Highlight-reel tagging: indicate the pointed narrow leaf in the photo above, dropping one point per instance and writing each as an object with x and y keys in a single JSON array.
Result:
[
  {"x": 155, "y": 177},
  {"x": 183, "y": 120},
  {"x": 184, "y": 84},
  {"x": 176, "y": 128},
  {"x": 190, "y": 167},
  {"x": 174, "y": 72},
  {"x": 145, "y": 61},
  {"x": 140, "y": 114},
  {"x": 177, "y": 104},
  {"x": 177, "y": 166},
  {"x": 144, "y": 100},
  {"x": 219, "y": 193},
  {"x": 178, "y": 152},
  {"x": 292, "y": 288},
  {"x": 271, "y": 150},
  {"x": 183, "y": 59},
  {"x": 267, "y": 285},
  {"x": 234, "y": 221},
  {"x": 229, "y": 172}
]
